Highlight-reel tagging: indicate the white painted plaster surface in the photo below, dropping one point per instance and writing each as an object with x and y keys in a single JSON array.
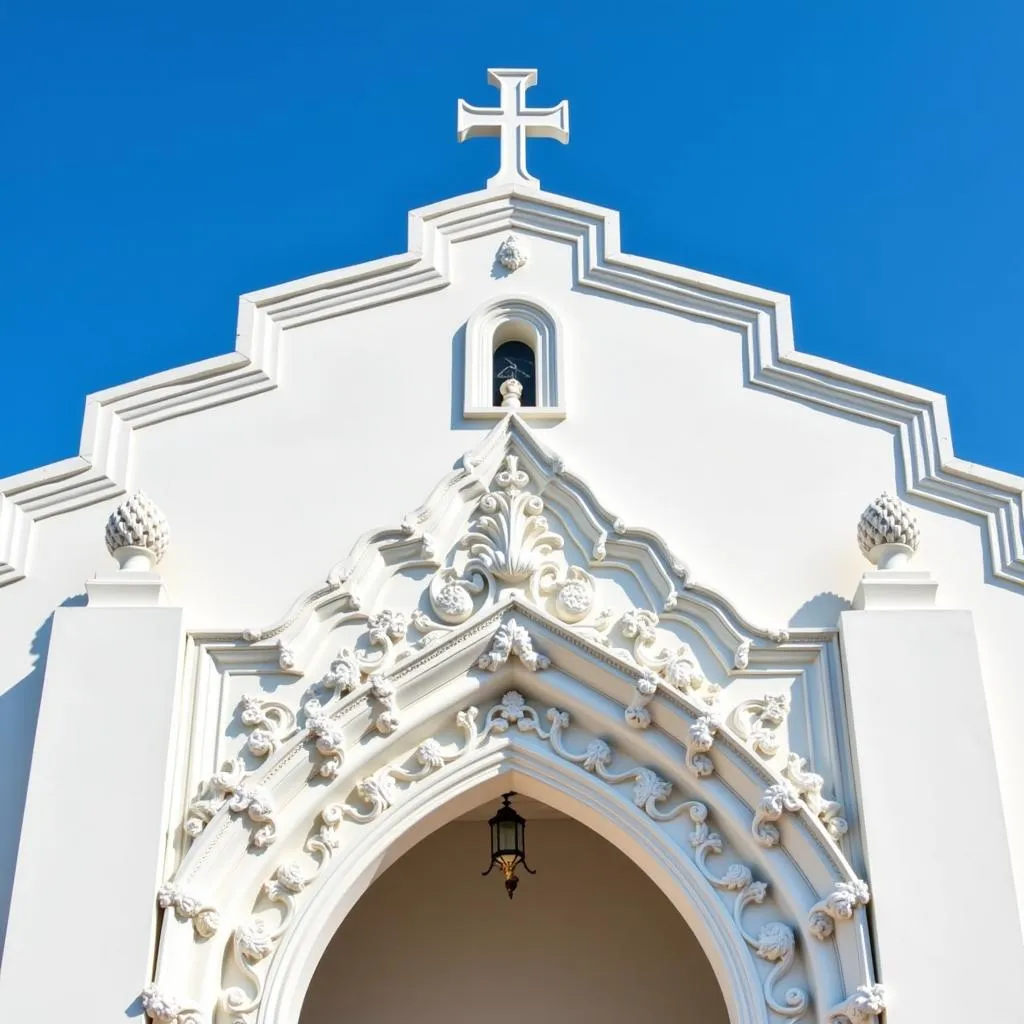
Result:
[
  {"x": 92, "y": 841},
  {"x": 345, "y": 422},
  {"x": 942, "y": 887}
]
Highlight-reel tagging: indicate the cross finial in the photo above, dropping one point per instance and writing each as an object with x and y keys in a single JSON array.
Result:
[{"x": 513, "y": 122}]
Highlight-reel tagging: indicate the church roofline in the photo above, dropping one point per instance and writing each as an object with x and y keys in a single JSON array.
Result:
[{"x": 917, "y": 417}]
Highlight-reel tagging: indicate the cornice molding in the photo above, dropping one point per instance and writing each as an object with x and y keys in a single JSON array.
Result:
[{"x": 916, "y": 417}]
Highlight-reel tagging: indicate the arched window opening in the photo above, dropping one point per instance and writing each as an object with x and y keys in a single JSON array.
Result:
[{"x": 515, "y": 360}]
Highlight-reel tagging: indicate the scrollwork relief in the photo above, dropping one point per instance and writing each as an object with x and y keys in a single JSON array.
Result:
[
  {"x": 839, "y": 905},
  {"x": 512, "y": 639},
  {"x": 756, "y": 721},
  {"x": 256, "y": 939},
  {"x": 205, "y": 919},
  {"x": 867, "y": 1003},
  {"x": 644, "y": 690},
  {"x": 702, "y": 738},
  {"x": 678, "y": 665},
  {"x": 776, "y": 801},
  {"x": 163, "y": 1008},
  {"x": 229, "y": 788},
  {"x": 809, "y": 786},
  {"x": 800, "y": 787}
]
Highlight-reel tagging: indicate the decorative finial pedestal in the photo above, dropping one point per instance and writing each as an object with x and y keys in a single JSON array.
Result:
[
  {"x": 889, "y": 535},
  {"x": 136, "y": 536},
  {"x": 511, "y": 394}
]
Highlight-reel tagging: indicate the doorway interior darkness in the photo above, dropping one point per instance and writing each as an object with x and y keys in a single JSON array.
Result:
[{"x": 588, "y": 938}]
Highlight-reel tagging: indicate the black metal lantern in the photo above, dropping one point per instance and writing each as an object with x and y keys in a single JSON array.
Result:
[{"x": 508, "y": 844}]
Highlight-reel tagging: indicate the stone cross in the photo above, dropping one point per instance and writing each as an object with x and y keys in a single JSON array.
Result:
[{"x": 513, "y": 122}]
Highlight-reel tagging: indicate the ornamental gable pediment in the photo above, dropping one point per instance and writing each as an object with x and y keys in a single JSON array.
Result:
[{"x": 512, "y": 547}]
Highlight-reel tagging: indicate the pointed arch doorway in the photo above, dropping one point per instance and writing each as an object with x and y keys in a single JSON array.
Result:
[{"x": 589, "y": 938}]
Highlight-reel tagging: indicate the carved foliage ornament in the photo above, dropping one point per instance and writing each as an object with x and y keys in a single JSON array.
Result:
[
  {"x": 511, "y": 547},
  {"x": 254, "y": 941}
]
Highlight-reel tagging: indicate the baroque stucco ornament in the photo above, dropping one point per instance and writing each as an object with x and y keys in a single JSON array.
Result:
[
  {"x": 511, "y": 589},
  {"x": 511, "y": 548},
  {"x": 511, "y": 254},
  {"x": 137, "y": 533},
  {"x": 256, "y": 940},
  {"x": 888, "y": 533}
]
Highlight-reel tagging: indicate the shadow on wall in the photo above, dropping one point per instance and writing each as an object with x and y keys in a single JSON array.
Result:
[
  {"x": 19, "y": 712},
  {"x": 821, "y": 612}
]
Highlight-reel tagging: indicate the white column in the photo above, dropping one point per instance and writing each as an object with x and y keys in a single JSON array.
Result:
[
  {"x": 948, "y": 938},
  {"x": 83, "y": 912}
]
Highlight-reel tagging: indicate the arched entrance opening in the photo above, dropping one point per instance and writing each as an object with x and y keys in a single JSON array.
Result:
[{"x": 565, "y": 949}]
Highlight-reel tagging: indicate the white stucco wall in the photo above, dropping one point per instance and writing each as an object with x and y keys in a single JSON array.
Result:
[
  {"x": 759, "y": 493},
  {"x": 588, "y": 938}
]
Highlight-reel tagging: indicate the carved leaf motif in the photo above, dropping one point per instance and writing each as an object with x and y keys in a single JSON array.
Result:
[
  {"x": 866, "y": 1003},
  {"x": 510, "y": 537},
  {"x": 512, "y": 639}
]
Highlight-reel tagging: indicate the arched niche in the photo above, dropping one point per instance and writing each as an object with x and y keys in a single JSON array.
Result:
[
  {"x": 522, "y": 320},
  {"x": 556, "y": 952}
]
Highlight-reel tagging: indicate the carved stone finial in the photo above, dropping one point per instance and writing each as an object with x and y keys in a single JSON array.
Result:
[
  {"x": 510, "y": 254},
  {"x": 137, "y": 534},
  {"x": 888, "y": 533},
  {"x": 511, "y": 393}
]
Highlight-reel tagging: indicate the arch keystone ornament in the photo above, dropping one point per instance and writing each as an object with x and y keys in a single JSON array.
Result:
[{"x": 524, "y": 654}]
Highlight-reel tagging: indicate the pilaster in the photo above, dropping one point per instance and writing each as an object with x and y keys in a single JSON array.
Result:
[
  {"x": 82, "y": 927},
  {"x": 948, "y": 937}
]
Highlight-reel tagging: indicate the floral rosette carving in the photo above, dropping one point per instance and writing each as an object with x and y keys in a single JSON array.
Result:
[
  {"x": 205, "y": 919},
  {"x": 163, "y": 1008},
  {"x": 451, "y": 597}
]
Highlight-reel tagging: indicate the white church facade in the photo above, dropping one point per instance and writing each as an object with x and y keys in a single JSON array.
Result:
[{"x": 512, "y": 513}]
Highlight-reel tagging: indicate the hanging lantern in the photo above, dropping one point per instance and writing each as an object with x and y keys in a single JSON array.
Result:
[{"x": 508, "y": 844}]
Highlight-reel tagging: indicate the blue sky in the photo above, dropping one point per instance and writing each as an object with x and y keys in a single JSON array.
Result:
[{"x": 159, "y": 160}]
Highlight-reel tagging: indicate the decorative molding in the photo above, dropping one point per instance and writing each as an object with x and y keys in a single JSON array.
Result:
[
  {"x": 838, "y": 905},
  {"x": 866, "y": 1003},
  {"x": 229, "y": 788},
  {"x": 511, "y": 255},
  {"x": 270, "y": 721},
  {"x": 702, "y": 737},
  {"x": 205, "y": 919},
  {"x": 256, "y": 940},
  {"x": 756, "y": 721},
  {"x": 678, "y": 667},
  {"x": 777, "y": 799},
  {"x": 800, "y": 787},
  {"x": 644, "y": 690},
  {"x": 809, "y": 786},
  {"x": 918, "y": 418},
  {"x": 512, "y": 639},
  {"x": 163, "y": 1008}
]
